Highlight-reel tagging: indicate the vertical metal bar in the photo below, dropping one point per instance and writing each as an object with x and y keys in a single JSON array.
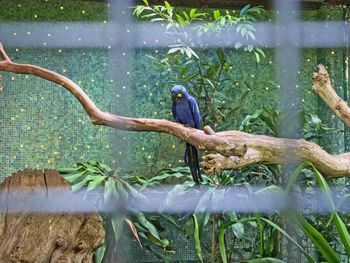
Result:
[
  {"x": 119, "y": 64},
  {"x": 288, "y": 57},
  {"x": 346, "y": 69},
  {"x": 120, "y": 55}
]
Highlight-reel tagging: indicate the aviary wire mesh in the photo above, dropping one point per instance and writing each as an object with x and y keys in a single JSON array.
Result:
[{"x": 291, "y": 40}]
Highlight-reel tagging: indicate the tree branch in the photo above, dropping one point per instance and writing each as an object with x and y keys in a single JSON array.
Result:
[
  {"x": 322, "y": 86},
  {"x": 270, "y": 150},
  {"x": 233, "y": 149}
]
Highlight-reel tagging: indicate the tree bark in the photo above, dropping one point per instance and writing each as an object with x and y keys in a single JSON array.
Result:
[
  {"x": 270, "y": 150},
  {"x": 233, "y": 149},
  {"x": 40, "y": 238},
  {"x": 322, "y": 87}
]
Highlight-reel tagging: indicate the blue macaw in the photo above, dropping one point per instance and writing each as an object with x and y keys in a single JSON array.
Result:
[{"x": 185, "y": 110}]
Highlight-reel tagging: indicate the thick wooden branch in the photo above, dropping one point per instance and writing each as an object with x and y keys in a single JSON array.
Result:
[
  {"x": 233, "y": 149},
  {"x": 270, "y": 150},
  {"x": 322, "y": 86}
]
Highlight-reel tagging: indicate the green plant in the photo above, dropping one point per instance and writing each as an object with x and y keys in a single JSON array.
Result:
[
  {"x": 324, "y": 246},
  {"x": 120, "y": 187},
  {"x": 148, "y": 229},
  {"x": 206, "y": 72},
  {"x": 266, "y": 121},
  {"x": 316, "y": 237}
]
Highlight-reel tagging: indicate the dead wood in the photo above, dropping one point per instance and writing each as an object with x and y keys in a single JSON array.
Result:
[{"x": 40, "y": 238}]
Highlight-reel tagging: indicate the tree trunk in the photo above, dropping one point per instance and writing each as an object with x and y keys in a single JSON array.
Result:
[{"x": 27, "y": 237}]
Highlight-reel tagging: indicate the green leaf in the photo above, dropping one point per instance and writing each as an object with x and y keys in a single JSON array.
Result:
[
  {"x": 117, "y": 221},
  {"x": 180, "y": 20},
  {"x": 238, "y": 230},
  {"x": 141, "y": 180},
  {"x": 244, "y": 10},
  {"x": 121, "y": 190},
  {"x": 168, "y": 175},
  {"x": 92, "y": 162},
  {"x": 95, "y": 183},
  {"x": 261, "y": 235},
  {"x": 92, "y": 169},
  {"x": 65, "y": 170},
  {"x": 222, "y": 246},
  {"x": 163, "y": 243},
  {"x": 152, "y": 233},
  {"x": 292, "y": 179},
  {"x": 265, "y": 260},
  {"x": 250, "y": 34},
  {"x": 150, "y": 15},
  {"x": 162, "y": 257},
  {"x": 167, "y": 6},
  {"x": 221, "y": 55},
  {"x": 238, "y": 45},
  {"x": 197, "y": 242},
  {"x": 103, "y": 167},
  {"x": 193, "y": 12},
  {"x": 189, "y": 227},
  {"x": 343, "y": 232},
  {"x": 138, "y": 10},
  {"x": 186, "y": 16},
  {"x": 146, "y": 2},
  {"x": 170, "y": 220},
  {"x": 80, "y": 164},
  {"x": 261, "y": 52},
  {"x": 173, "y": 50},
  {"x": 73, "y": 177},
  {"x": 83, "y": 182},
  {"x": 110, "y": 192},
  {"x": 136, "y": 193},
  {"x": 302, "y": 250},
  {"x": 99, "y": 254},
  {"x": 257, "y": 57},
  {"x": 317, "y": 239},
  {"x": 216, "y": 14},
  {"x": 250, "y": 48},
  {"x": 192, "y": 52},
  {"x": 188, "y": 52},
  {"x": 322, "y": 183},
  {"x": 210, "y": 83}
]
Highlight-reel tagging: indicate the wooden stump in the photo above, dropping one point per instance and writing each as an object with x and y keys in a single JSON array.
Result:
[{"x": 29, "y": 237}]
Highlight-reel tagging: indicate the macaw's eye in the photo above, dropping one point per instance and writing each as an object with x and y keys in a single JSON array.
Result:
[{"x": 179, "y": 95}]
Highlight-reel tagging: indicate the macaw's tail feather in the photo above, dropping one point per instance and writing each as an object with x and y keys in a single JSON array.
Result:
[{"x": 193, "y": 162}]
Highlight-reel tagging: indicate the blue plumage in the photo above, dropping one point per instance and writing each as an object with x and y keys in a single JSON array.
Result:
[{"x": 185, "y": 110}]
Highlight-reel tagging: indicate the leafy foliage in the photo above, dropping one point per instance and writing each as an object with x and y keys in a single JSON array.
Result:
[
  {"x": 147, "y": 229},
  {"x": 266, "y": 121},
  {"x": 117, "y": 190},
  {"x": 187, "y": 58},
  {"x": 319, "y": 240}
]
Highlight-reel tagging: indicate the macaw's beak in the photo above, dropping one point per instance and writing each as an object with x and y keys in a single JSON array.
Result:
[
  {"x": 176, "y": 97},
  {"x": 173, "y": 97}
]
